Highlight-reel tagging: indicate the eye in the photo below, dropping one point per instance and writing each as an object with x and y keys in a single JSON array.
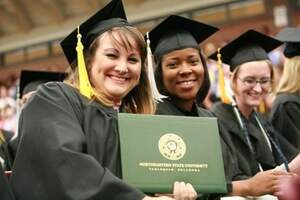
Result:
[
  {"x": 194, "y": 61},
  {"x": 112, "y": 55},
  {"x": 172, "y": 65},
  {"x": 249, "y": 81},
  {"x": 265, "y": 81},
  {"x": 133, "y": 60}
]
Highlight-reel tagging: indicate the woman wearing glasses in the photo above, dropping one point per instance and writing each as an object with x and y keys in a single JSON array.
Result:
[{"x": 259, "y": 147}]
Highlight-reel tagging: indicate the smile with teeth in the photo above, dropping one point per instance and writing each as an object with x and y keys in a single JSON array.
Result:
[
  {"x": 254, "y": 95},
  {"x": 118, "y": 78},
  {"x": 186, "y": 83}
]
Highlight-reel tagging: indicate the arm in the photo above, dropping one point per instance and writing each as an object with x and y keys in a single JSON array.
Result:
[
  {"x": 285, "y": 119},
  {"x": 262, "y": 183},
  {"x": 52, "y": 161},
  {"x": 294, "y": 165}
]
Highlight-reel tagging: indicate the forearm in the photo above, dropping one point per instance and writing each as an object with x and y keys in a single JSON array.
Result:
[
  {"x": 294, "y": 165},
  {"x": 240, "y": 188}
]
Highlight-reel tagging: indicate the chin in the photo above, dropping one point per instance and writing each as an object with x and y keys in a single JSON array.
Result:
[
  {"x": 255, "y": 102},
  {"x": 187, "y": 98}
]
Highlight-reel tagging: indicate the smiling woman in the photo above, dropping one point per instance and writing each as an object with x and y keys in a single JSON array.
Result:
[
  {"x": 115, "y": 70},
  {"x": 74, "y": 129},
  {"x": 183, "y": 74},
  {"x": 258, "y": 145}
]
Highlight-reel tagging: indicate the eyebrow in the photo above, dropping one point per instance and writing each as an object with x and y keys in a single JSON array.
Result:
[
  {"x": 111, "y": 49},
  {"x": 253, "y": 77}
]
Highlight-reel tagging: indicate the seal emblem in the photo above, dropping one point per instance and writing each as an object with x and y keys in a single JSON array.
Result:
[{"x": 171, "y": 146}]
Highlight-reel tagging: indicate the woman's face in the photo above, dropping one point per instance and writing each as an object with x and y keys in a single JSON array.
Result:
[
  {"x": 114, "y": 70},
  {"x": 252, "y": 83},
  {"x": 183, "y": 73}
]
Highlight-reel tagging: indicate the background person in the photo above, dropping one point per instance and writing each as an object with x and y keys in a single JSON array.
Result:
[{"x": 285, "y": 111}]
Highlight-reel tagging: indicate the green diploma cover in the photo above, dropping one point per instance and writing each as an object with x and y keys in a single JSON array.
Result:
[{"x": 157, "y": 150}]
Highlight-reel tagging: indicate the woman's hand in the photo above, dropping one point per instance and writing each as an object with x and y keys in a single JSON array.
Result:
[
  {"x": 184, "y": 191},
  {"x": 266, "y": 182},
  {"x": 289, "y": 188},
  {"x": 181, "y": 191},
  {"x": 158, "y": 198}
]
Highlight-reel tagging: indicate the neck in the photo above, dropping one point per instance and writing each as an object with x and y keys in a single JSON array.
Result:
[
  {"x": 245, "y": 110},
  {"x": 185, "y": 105},
  {"x": 117, "y": 104}
]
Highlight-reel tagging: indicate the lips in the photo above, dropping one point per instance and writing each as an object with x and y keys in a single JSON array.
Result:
[
  {"x": 185, "y": 82},
  {"x": 118, "y": 78},
  {"x": 255, "y": 95}
]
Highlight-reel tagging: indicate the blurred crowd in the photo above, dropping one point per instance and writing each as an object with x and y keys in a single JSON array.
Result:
[{"x": 8, "y": 107}]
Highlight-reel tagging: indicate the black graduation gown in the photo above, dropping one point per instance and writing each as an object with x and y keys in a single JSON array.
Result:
[
  {"x": 285, "y": 117},
  {"x": 262, "y": 153},
  {"x": 5, "y": 191},
  {"x": 5, "y": 153},
  {"x": 69, "y": 149},
  {"x": 167, "y": 107}
]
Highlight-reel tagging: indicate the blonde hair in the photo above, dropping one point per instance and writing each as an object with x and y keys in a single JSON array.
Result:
[
  {"x": 139, "y": 99},
  {"x": 236, "y": 70},
  {"x": 289, "y": 81}
]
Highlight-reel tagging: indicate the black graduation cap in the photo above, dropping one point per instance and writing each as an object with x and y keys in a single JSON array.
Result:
[
  {"x": 110, "y": 16},
  {"x": 30, "y": 80},
  {"x": 291, "y": 37},
  {"x": 249, "y": 46},
  {"x": 177, "y": 32}
]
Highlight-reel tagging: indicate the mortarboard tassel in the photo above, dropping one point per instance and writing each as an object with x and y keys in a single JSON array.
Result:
[
  {"x": 221, "y": 83},
  {"x": 262, "y": 107},
  {"x": 2, "y": 139},
  {"x": 155, "y": 93},
  {"x": 84, "y": 83}
]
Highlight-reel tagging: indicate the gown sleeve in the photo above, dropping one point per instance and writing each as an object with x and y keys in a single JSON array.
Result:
[
  {"x": 285, "y": 119},
  {"x": 52, "y": 160}
]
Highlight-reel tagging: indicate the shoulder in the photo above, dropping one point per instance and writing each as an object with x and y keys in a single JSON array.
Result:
[
  {"x": 67, "y": 97},
  {"x": 166, "y": 108},
  {"x": 220, "y": 109},
  {"x": 285, "y": 98},
  {"x": 285, "y": 102},
  {"x": 204, "y": 112},
  {"x": 58, "y": 90}
]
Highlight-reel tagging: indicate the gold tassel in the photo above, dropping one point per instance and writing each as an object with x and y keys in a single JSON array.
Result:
[
  {"x": 84, "y": 83},
  {"x": 221, "y": 81},
  {"x": 2, "y": 139},
  {"x": 262, "y": 107},
  {"x": 155, "y": 93}
]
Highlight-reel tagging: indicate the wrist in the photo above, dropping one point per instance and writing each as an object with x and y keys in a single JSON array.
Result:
[
  {"x": 241, "y": 188},
  {"x": 147, "y": 198}
]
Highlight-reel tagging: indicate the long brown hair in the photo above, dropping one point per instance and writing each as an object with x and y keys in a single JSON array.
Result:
[{"x": 139, "y": 99}]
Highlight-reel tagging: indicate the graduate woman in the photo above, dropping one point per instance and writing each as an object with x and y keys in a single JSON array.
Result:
[
  {"x": 69, "y": 147},
  {"x": 285, "y": 110},
  {"x": 259, "y": 147},
  {"x": 181, "y": 75}
]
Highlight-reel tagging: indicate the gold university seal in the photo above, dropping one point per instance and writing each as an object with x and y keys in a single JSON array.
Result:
[{"x": 171, "y": 146}]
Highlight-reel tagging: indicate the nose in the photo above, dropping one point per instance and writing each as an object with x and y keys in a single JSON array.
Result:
[
  {"x": 185, "y": 69},
  {"x": 257, "y": 87},
  {"x": 121, "y": 67}
]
